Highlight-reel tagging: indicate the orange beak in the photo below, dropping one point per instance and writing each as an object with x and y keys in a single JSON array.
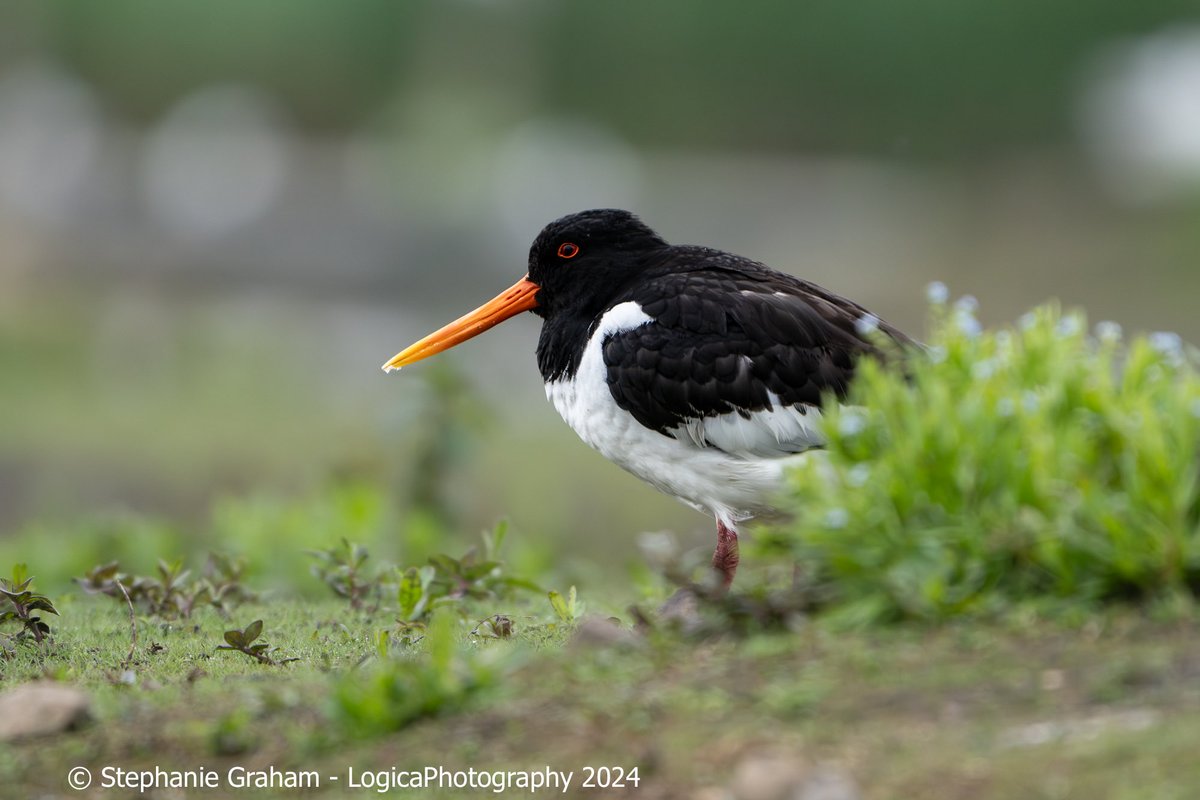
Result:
[{"x": 521, "y": 296}]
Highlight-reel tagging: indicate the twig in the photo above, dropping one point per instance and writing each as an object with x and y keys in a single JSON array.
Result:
[{"x": 132, "y": 626}]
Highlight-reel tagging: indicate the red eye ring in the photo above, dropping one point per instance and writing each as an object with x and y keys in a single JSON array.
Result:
[{"x": 568, "y": 250}]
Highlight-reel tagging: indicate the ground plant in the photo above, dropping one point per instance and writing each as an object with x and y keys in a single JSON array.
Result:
[
  {"x": 22, "y": 604},
  {"x": 1047, "y": 463}
]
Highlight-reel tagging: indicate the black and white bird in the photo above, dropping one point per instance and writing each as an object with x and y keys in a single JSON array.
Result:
[{"x": 701, "y": 372}]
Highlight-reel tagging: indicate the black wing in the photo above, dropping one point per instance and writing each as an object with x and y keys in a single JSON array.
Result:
[{"x": 736, "y": 355}]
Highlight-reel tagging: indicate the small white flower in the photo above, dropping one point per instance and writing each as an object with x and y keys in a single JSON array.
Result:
[
  {"x": 967, "y": 324},
  {"x": 858, "y": 475},
  {"x": 1069, "y": 326},
  {"x": 1030, "y": 401},
  {"x": 1109, "y": 332},
  {"x": 1170, "y": 347},
  {"x": 852, "y": 423},
  {"x": 1168, "y": 344},
  {"x": 1027, "y": 321},
  {"x": 937, "y": 293},
  {"x": 866, "y": 324},
  {"x": 967, "y": 303},
  {"x": 837, "y": 518},
  {"x": 937, "y": 354}
]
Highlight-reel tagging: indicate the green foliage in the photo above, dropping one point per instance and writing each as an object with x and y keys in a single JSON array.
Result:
[
  {"x": 566, "y": 609},
  {"x": 414, "y": 592},
  {"x": 243, "y": 641},
  {"x": 399, "y": 690},
  {"x": 21, "y": 603},
  {"x": 459, "y": 583},
  {"x": 475, "y": 575},
  {"x": 1031, "y": 464},
  {"x": 445, "y": 581},
  {"x": 341, "y": 569},
  {"x": 806, "y": 73},
  {"x": 169, "y": 594}
]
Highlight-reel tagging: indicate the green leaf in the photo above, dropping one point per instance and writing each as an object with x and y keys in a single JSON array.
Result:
[
  {"x": 42, "y": 604},
  {"x": 427, "y": 574},
  {"x": 104, "y": 572},
  {"x": 235, "y": 639},
  {"x": 521, "y": 583},
  {"x": 411, "y": 593},
  {"x": 560, "y": 606},
  {"x": 253, "y": 630},
  {"x": 445, "y": 564}
]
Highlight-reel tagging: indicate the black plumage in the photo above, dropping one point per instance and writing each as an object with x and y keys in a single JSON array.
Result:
[{"x": 727, "y": 335}]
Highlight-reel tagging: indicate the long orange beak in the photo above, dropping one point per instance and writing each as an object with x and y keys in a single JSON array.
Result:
[{"x": 521, "y": 296}]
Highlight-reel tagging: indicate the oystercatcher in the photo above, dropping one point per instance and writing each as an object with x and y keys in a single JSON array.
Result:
[{"x": 699, "y": 371}]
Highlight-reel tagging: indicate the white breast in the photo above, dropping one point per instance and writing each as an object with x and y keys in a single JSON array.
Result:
[{"x": 732, "y": 483}]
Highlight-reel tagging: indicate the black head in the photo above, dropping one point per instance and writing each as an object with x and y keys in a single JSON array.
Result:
[
  {"x": 576, "y": 266},
  {"x": 581, "y": 259}
]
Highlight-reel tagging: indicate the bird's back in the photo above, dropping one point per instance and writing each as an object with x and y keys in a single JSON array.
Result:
[{"x": 735, "y": 355}]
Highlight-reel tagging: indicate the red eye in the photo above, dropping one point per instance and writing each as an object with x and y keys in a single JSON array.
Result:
[{"x": 568, "y": 250}]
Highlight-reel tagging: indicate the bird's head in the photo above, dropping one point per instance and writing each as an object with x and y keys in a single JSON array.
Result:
[
  {"x": 575, "y": 263},
  {"x": 579, "y": 259}
]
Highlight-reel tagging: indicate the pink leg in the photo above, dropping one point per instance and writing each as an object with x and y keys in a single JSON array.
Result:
[{"x": 725, "y": 559}]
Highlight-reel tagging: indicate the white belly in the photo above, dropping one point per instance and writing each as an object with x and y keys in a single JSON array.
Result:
[{"x": 729, "y": 487}]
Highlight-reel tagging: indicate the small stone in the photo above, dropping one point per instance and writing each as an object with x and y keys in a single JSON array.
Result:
[
  {"x": 775, "y": 776},
  {"x": 41, "y": 709},
  {"x": 827, "y": 783}
]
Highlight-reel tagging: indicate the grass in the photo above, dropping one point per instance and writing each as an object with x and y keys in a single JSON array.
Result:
[{"x": 1013, "y": 708}]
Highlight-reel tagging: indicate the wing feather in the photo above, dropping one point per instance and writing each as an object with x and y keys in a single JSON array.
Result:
[{"x": 736, "y": 357}]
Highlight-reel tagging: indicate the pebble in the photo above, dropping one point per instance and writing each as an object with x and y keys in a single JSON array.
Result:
[{"x": 41, "y": 709}]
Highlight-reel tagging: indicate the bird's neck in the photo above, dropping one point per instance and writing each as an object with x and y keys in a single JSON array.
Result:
[{"x": 561, "y": 345}]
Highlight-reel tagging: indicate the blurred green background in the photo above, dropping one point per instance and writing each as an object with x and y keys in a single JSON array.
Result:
[{"x": 218, "y": 219}]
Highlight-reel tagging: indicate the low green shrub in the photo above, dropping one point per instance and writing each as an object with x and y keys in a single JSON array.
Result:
[
  {"x": 399, "y": 689},
  {"x": 1039, "y": 463}
]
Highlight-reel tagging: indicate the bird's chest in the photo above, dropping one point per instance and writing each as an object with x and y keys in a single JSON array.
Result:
[
  {"x": 588, "y": 407},
  {"x": 583, "y": 399}
]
